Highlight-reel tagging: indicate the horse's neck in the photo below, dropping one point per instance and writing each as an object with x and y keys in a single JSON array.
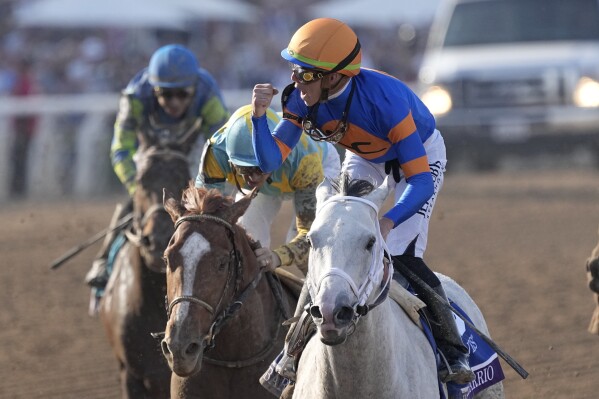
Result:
[
  {"x": 151, "y": 285},
  {"x": 255, "y": 325},
  {"x": 373, "y": 339},
  {"x": 385, "y": 352}
]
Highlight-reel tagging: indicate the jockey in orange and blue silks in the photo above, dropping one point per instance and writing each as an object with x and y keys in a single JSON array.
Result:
[
  {"x": 172, "y": 102},
  {"x": 385, "y": 128},
  {"x": 384, "y": 122}
]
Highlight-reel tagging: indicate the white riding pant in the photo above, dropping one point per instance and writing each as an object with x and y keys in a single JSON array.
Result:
[
  {"x": 259, "y": 216},
  {"x": 416, "y": 226}
]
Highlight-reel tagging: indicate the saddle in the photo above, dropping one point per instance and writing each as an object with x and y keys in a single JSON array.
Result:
[
  {"x": 410, "y": 303},
  {"x": 290, "y": 280}
]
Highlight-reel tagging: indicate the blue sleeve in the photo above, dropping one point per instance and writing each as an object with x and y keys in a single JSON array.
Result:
[
  {"x": 265, "y": 146},
  {"x": 419, "y": 190}
]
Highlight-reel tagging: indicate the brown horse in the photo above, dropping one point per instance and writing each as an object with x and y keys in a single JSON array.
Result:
[
  {"x": 133, "y": 305},
  {"x": 593, "y": 279},
  {"x": 224, "y": 312}
]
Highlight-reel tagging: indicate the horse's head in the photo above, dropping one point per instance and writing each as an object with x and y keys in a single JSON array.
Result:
[
  {"x": 346, "y": 273},
  {"x": 208, "y": 258},
  {"x": 158, "y": 170}
]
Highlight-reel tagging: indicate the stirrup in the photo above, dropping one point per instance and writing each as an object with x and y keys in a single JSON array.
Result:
[
  {"x": 459, "y": 372},
  {"x": 286, "y": 367},
  {"x": 272, "y": 381}
]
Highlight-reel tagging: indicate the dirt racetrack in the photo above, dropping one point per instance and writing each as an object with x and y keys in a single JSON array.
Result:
[{"x": 516, "y": 241}]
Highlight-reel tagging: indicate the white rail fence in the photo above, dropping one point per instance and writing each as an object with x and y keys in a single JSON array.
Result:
[{"x": 69, "y": 152}]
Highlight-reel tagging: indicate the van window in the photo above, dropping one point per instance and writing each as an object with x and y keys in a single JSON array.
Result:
[{"x": 513, "y": 21}]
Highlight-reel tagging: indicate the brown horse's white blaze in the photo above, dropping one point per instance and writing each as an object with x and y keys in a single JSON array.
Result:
[{"x": 183, "y": 350}]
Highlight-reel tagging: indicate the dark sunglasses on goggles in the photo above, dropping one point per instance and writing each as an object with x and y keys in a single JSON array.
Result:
[
  {"x": 168, "y": 93},
  {"x": 306, "y": 75}
]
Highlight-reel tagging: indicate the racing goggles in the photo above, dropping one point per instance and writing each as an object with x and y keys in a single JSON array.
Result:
[
  {"x": 332, "y": 136},
  {"x": 247, "y": 170},
  {"x": 169, "y": 93},
  {"x": 306, "y": 75}
]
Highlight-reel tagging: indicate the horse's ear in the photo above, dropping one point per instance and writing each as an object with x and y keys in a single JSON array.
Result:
[
  {"x": 324, "y": 191},
  {"x": 237, "y": 209},
  {"x": 379, "y": 194},
  {"x": 172, "y": 206}
]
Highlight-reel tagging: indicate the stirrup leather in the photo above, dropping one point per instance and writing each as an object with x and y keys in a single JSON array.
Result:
[{"x": 302, "y": 331}]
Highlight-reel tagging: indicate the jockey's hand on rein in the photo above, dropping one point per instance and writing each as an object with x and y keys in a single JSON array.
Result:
[{"x": 267, "y": 258}]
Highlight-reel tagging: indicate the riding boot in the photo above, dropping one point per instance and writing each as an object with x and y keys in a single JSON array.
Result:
[
  {"x": 455, "y": 366},
  {"x": 301, "y": 329},
  {"x": 97, "y": 276}
]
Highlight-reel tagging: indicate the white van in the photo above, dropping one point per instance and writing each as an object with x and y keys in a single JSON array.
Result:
[{"x": 514, "y": 76}]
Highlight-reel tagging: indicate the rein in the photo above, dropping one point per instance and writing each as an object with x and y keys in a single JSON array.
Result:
[
  {"x": 136, "y": 238},
  {"x": 223, "y": 317}
]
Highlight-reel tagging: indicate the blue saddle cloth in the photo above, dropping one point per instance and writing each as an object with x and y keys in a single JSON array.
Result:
[
  {"x": 116, "y": 246},
  {"x": 483, "y": 360}
]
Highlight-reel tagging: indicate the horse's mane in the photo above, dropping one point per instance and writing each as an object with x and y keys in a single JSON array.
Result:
[
  {"x": 204, "y": 201},
  {"x": 344, "y": 185}
]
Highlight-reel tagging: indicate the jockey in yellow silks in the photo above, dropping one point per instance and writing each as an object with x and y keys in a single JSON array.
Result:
[{"x": 229, "y": 162}]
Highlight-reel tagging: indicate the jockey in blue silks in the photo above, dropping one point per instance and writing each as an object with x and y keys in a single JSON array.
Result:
[
  {"x": 172, "y": 103},
  {"x": 386, "y": 129}
]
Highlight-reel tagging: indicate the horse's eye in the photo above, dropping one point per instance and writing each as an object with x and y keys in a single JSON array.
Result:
[
  {"x": 309, "y": 241},
  {"x": 370, "y": 244}
]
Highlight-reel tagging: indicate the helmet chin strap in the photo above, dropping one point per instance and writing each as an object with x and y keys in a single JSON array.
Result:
[
  {"x": 324, "y": 86},
  {"x": 325, "y": 89}
]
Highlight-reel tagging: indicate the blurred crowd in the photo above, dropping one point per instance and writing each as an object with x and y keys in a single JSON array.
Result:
[
  {"x": 238, "y": 55},
  {"x": 82, "y": 60}
]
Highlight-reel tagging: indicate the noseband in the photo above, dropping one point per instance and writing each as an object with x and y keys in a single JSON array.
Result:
[{"x": 378, "y": 271}]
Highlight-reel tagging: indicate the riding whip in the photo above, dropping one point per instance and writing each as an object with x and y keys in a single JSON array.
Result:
[
  {"x": 93, "y": 239},
  {"x": 504, "y": 355}
]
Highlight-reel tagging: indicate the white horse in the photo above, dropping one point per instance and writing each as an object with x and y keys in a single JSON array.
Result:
[{"x": 384, "y": 355}]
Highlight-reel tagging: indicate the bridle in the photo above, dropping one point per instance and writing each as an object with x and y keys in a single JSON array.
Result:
[
  {"x": 378, "y": 271},
  {"x": 234, "y": 274},
  {"x": 135, "y": 235}
]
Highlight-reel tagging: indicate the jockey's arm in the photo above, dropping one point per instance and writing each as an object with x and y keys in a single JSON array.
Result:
[
  {"x": 305, "y": 181},
  {"x": 211, "y": 173},
  {"x": 125, "y": 142},
  {"x": 420, "y": 187},
  {"x": 272, "y": 148},
  {"x": 214, "y": 114}
]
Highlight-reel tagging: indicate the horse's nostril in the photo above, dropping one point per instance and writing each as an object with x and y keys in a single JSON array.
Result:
[
  {"x": 315, "y": 312},
  {"x": 345, "y": 314},
  {"x": 146, "y": 241},
  {"x": 192, "y": 349},
  {"x": 165, "y": 349}
]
